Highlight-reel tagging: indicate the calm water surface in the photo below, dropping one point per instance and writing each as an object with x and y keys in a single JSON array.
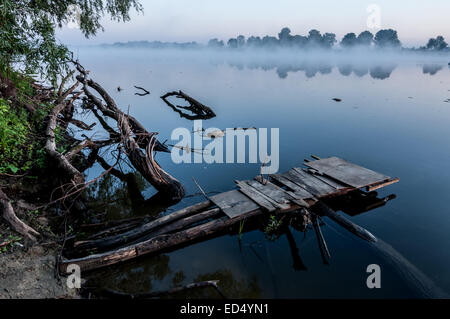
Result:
[{"x": 393, "y": 118}]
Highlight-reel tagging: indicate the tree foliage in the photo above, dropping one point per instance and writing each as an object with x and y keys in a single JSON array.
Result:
[
  {"x": 349, "y": 40},
  {"x": 387, "y": 39},
  {"x": 437, "y": 44},
  {"x": 27, "y": 30}
]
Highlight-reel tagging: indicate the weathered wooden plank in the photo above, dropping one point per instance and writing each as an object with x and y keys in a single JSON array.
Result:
[
  {"x": 327, "y": 180},
  {"x": 274, "y": 195},
  {"x": 288, "y": 195},
  {"x": 347, "y": 173},
  {"x": 255, "y": 196},
  {"x": 272, "y": 191},
  {"x": 234, "y": 203},
  {"x": 384, "y": 184},
  {"x": 313, "y": 181},
  {"x": 309, "y": 182},
  {"x": 300, "y": 192}
]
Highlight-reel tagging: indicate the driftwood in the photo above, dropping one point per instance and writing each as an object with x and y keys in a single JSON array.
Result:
[
  {"x": 9, "y": 215},
  {"x": 201, "y": 111},
  {"x": 323, "y": 209},
  {"x": 154, "y": 244},
  {"x": 145, "y": 92},
  {"x": 123, "y": 238},
  {"x": 50, "y": 146},
  {"x": 131, "y": 132},
  {"x": 121, "y": 295},
  {"x": 320, "y": 240}
]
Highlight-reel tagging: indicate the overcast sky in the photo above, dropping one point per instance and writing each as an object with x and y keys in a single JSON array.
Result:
[{"x": 200, "y": 20}]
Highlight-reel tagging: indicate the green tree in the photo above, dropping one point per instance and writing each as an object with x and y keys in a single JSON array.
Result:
[
  {"x": 437, "y": 44},
  {"x": 365, "y": 38},
  {"x": 349, "y": 40},
  {"x": 27, "y": 30},
  {"x": 387, "y": 39}
]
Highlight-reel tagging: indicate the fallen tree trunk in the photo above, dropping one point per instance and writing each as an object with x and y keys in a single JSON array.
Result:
[
  {"x": 9, "y": 215},
  {"x": 182, "y": 223},
  {"x": 124, "y": 238},
  {"x": 143, "y": 162},
  {"x": 357, "y": 230},
  {"x": 154, "y": 244}
]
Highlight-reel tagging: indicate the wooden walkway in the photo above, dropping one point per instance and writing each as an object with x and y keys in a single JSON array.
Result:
[
  {"x": 299, "y": 190},
  {"x": 299, "y": 187}
]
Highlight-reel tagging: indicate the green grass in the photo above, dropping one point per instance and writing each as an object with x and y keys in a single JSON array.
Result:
[
  {"x": 21, "y": 140},
  {"x": 15, "y": 154}
]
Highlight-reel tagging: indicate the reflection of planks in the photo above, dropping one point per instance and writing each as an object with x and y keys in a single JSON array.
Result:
[{"x": 299, "y": 187}]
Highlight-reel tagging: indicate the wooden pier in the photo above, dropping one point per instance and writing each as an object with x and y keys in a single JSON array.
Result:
[{"x": 301, "y": 190}]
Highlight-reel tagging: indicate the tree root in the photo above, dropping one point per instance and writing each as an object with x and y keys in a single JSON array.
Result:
[
  {"x": 9, "y": 215},
  {"x": 50, "y": 146},
  {"x": 134, "y": 137}
]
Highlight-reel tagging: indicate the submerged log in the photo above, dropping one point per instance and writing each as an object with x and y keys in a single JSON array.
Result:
[
  {"x": 131, "y": 235},
  {"x": 154, "y": 244},
  {"x": 321, "y": 240},
  {"x": 323, "y": 209},
  {"x": 201, "y": 111}
]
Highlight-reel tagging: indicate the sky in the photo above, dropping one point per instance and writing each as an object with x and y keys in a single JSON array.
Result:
[{"x": 200, "y": 20}]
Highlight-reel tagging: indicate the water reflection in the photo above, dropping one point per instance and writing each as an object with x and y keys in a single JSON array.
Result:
[
  {"x": 379, "y": 71},
  {"x": 120, "y": 195},
  {"x": 431, "y": 69},
  {"x": 144, "y": 276}
]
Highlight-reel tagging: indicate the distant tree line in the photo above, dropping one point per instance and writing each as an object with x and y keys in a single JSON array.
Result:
[{"x": 386, "y": 38}]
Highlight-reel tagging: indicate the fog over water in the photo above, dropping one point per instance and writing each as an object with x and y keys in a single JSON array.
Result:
[{"x": 393, "y": 118}]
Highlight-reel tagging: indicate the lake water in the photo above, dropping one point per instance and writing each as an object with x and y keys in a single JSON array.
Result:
[{"x": 393, "y": 118}]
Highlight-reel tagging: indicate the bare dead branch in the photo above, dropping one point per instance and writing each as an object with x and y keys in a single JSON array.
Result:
[
  {"x": 141, "y": 88},
  {"x": 200, "y": 110},
  {"x": 9, "y": 215}
]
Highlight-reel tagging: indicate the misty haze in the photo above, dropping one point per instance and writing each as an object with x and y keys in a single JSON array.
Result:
[{"x": 241, "y": 149}]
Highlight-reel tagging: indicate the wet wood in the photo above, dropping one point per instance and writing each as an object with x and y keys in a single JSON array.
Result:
[
  {"x": 257, "y": 197},
  {"x": 182, "y": 223},
  {"x": 359, "y": 231},
  {"x": 293, "y": 191},
  {"x": 299, "y": 192},
  {"x": 234, "y": 203},
  {"x": 347, "y": 173},
  {"x": 321, "y": 240},
  {"x": 154, "y": 244},
  {"x": 123, "y": 238},
  {"x": 270, "y": 190},
  {"x": 308, "y": 182},
  {"x": 199, "y": 110},
  {"x": 377, "y": 186}
]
